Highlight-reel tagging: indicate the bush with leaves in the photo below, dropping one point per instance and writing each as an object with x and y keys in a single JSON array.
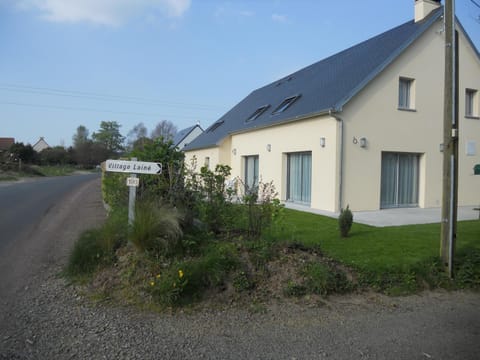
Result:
[
  {"x": 212, "y": 197},
  {"x": 187, "y": 280},
  {"x": 167, "y": 186},
  {"x": 345, "y": 221},
  {"x": 263, "y": 207}
]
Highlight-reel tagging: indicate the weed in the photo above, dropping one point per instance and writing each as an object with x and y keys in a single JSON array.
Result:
[
  {"x": 467, "y": 274},
  {"x": 295, "y": 289},
  {"x": 323, "y": 280},
  {"x": 86, "y": 255},
  {"x": 242, "y": 282}
]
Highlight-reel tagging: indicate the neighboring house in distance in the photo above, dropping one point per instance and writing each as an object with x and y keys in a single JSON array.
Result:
[
  {"x": 6, "y": 143},
  {"x": 363, "y": 127},
  {"x": 186, "y": 136},
  {"x": 40, "y": 145}
]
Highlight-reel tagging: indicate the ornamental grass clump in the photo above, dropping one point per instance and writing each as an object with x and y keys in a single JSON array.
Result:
[{"x": 156, "y": 229}]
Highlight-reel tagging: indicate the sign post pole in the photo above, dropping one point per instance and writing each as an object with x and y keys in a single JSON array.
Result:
[
  {"x": 131, "y": 199},
  {"x": 133, "y": 167}
]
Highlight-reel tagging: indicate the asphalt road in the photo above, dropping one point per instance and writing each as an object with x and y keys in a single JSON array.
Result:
[
  {"x": 28, "y": 229},
  {"x": 23, "y": 204}
]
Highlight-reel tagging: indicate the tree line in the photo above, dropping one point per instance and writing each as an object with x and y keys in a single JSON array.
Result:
[{"x": 87, "y": 150}]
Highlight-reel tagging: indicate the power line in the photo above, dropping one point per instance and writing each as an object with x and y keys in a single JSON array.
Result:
[
  {"x": 56, "y": 107},
  {"x": 102, "y": 97}
]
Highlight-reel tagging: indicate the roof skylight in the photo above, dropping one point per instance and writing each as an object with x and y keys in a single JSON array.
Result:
[
  {"x": 257, "y": 113},
  {"x": 215, "y": 126},
  {"x": 285, "y": 104}
]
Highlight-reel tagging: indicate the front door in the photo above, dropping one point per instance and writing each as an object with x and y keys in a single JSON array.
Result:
[{"x": 400, "y": 173}]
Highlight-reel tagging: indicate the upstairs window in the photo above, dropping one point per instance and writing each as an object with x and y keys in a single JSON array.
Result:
[
  {"x": 406, "y": 93},
  {"x": 285, "y": 104},
  {"x": 471, "y": 103},
  {"x": 257, "y": 113}
]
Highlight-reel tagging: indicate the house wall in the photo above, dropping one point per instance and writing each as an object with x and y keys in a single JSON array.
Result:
[
  {"x": 374, "y": 114},
  {"x": 215, "y": 155},
  {"x": 469, "y": 128},
  {"x": 301, "y": 136}
]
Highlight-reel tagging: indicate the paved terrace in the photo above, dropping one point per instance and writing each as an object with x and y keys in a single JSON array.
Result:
[{"x": 396, "y": 217}]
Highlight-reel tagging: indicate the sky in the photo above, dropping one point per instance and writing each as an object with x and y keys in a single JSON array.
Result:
[{"x": 66, "y": 63}]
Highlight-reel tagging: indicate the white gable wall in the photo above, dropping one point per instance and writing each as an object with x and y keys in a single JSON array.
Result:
[{"x": 374, "y": 114}]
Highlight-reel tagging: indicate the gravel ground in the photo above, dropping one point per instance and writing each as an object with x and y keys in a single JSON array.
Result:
[{"x": 44, "y": 318}]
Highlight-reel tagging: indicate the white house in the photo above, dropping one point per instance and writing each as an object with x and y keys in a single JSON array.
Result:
[{"x": 363, "y": 127}]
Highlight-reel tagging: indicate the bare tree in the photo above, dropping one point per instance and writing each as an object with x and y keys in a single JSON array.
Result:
[
  {"x": 137, "y": 135},
  {"x": 165, "y": 129}
]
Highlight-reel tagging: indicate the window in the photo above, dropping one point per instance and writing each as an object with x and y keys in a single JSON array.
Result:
[
  {"x": 251, "y": 173},
  {"x": 406, "y": 94},
  {"x": 471, "y": 107},
  {"x": 207, "y": 162},
  {"x": 257, "y": 113},
  {"x": 400, "y": 180},
  {"x": 285, "y": 104},
  {"x": 215, "y": 126},
  {"x": 299, "y": 177}
]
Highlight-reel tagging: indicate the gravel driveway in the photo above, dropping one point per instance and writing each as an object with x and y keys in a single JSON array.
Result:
[{"x": 44, "y": 318}]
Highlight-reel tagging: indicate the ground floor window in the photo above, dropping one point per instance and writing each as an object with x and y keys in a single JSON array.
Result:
[
  {"x": 400, "y": 175},
  {"x": 299, "y": 177},
  {"x": 251, "y": 173}
]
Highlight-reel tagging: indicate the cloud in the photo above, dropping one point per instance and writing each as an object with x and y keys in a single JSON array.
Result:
[
  {"x": 103, "y": 12},
  {"x": 246, "y": 13},
  {"x": 279, "y": 18},
  {"x": 230, "y": 11}
]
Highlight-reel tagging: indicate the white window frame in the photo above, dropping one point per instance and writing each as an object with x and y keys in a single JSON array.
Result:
[
  {"x": 406, "y": 93},
  {"x": 471, "y": 103}
]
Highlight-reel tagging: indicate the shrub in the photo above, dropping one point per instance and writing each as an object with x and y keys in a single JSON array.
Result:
[
  {"x": 114, "y": 190},
  {"x": 345, "y": 221},
  {"x": 212, "y": 197},
  {"x": 263, "y": 207},
  {"x": 86, "y": 255},
  {"x": 323, "y": 280},
  {"x": 188, "y": 280},
  {"x": 156, "y": 229},
  {"x": 467, "y": 273},
  {"x": 114, "y": 231}
]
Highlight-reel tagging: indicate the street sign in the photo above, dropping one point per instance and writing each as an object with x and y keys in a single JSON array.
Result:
[
  {"x": 133, "y": 181},
  {"x": 134, "y": 167}
]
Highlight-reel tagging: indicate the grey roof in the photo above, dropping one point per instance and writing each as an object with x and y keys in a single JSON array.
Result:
[
  {"x": 182, "y": 134},
  {"x": 326, "y": 85}
]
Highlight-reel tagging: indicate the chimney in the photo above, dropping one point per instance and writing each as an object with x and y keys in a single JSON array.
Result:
[{"x": 425, "y": 7}]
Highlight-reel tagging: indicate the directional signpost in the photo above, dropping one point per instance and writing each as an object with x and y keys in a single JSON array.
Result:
[{"x": 133, "y": 167}]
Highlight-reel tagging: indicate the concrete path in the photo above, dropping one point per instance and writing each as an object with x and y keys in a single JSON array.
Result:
[{"x": 396, "y": 217}]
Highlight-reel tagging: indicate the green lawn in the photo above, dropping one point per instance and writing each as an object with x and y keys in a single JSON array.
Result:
[{"x": 375, "y": 249}]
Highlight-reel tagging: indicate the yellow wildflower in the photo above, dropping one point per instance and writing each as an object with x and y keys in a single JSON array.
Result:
[
  {"x": 152, "y": 283},
  {"x": 158, "y": 276},
  {"x": 180, "y": 274}
]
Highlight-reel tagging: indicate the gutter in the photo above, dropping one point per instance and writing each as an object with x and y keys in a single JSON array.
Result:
[{"x": 333, "y": 113}]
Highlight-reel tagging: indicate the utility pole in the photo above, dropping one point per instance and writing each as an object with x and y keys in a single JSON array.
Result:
[{"x": 450, "y": 141}]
